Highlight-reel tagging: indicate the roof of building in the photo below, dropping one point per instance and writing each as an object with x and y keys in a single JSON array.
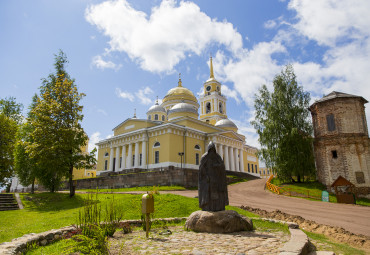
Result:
[
  {"x": 224, "y": 123},
  {"x": 336, "y": 94},
  {"x": 183, "y": 107},
  {"x": 179, "y": 92},
  {"x": 156, "y": 108}
]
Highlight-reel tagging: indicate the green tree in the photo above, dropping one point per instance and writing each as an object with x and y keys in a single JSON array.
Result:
[
  {"x": 10, "y": 118},
  {"x": 58, "y": 137},
  {"x": 283, "y": 124},
  {"x": 24, "y": 165},
  {"x": 8, "y": 128},
  {"x": 11, "y": 109}
]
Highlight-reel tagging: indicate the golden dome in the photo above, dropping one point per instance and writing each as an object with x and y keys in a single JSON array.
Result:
[{"x": 180, "y": 92}]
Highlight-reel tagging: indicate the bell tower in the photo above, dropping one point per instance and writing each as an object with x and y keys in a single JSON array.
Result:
[{"x": 212, "y": 102}]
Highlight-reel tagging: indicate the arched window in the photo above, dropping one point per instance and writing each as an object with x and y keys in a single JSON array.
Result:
[
  {"x": 220, "y": 107},
  {"x": 197, "y": 159},
  {"x": 197, "y": 147},
  {"x": 156, "y": 144},
  {"x": 156, "y": 117},
  {"x": 208, "y": 107},
  {"x": 106, "y": 154},
  {"x": 163, "y": 118},
  {"x": 149, "y": 117}
]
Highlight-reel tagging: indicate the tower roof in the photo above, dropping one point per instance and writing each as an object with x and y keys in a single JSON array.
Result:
[{"x": 336, "y": 94}]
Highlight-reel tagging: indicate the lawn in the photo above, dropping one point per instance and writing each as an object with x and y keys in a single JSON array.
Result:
[{"x": 45, "y": 211}]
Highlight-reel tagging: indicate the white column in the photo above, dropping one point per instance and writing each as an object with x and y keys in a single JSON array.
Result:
[
  {"x": 232, "y": 159},
  {"x": 129, "y": 158},
  {"x": 143, "y": 152},
  {"x": 136, "y": 163},
  {"x": 123, "y": 157},
  {"x": 227, "y": 165},
  {"x": 241, "y": 151},
  {"x": 117, "y": 159},
  {"x": 236, "y": 159},
  {"x": 220, "y": 151},
  {"x": 111, "y": 159}
]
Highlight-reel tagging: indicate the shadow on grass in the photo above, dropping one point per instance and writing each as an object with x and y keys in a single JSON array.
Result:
[{"x": 45, "y": 202}]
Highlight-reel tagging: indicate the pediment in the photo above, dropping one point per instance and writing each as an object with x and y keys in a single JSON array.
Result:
[{"x": 131, "y": 124}]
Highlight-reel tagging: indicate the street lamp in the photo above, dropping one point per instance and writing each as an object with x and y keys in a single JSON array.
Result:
[{"x": 181, "y": 154}]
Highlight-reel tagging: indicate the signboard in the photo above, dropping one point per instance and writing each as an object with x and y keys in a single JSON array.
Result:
[{"x": 325, "y": 196}]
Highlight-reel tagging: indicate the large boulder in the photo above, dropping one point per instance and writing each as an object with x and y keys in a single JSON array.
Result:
[{"x": 218, "y": 222}]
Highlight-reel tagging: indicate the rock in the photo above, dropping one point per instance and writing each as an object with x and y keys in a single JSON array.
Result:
[
  {"x": 218, "y": 222},
  {"x": 43, "y": 242}
]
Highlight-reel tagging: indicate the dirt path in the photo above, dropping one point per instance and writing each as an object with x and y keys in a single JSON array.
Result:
[{"x": 353, "y": 218}]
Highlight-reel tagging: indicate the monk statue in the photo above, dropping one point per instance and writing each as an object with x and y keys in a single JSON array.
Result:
[{"x": 212, "y": 187}]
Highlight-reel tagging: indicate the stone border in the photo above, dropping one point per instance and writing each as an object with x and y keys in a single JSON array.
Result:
[
  {"x": 297, "y": 245},
  {"x": 19, "y": 201}
]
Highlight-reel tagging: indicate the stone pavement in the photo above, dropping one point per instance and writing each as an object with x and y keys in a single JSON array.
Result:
[{"x": 189, "y": 242}]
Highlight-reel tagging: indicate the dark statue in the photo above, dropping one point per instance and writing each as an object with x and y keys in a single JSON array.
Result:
[{"x": 212, "y": 186}]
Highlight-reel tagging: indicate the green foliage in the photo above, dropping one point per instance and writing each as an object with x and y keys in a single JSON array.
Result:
[
  {"x": 25, "y": 167},
  {"x": 8, "y": 129},
  {"x": 11, "y": 109},
  {"x": 283, "y": 124},
  {"x": 58, "y": 137}
]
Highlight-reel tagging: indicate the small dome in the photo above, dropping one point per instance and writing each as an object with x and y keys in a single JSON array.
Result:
[
  {"x": 183, "y": 107},
  {"x": 225, "y": 123},
  {"x": 156, "y": 108}
]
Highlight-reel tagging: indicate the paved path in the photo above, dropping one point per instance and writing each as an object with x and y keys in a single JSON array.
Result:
[{"x": 353, "y": 218}]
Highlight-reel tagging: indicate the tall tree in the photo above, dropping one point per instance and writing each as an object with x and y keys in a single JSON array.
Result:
[
  {"x": 24, "y": 165},
  {"x": 58, "y": 136},
  {"x": 284, "y": 128},
  {"x": 10, "y": 118}
]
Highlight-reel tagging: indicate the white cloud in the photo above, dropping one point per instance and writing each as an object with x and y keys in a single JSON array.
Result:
[
  {"x": 230, "y": 93},
  {"x": 142, "y": 95},
  {"x": 102, "y": 64},
  {"x": 160, "y": 41},
  {"x": 93, "y": 139},
  {"x": 124, "y": 95},
  {"x": 102, "y": 112}
]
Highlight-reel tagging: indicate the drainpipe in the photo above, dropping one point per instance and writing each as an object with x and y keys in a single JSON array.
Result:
[
  {"x": 184, "y": 147},
  {"x": 147, "y": 150}
]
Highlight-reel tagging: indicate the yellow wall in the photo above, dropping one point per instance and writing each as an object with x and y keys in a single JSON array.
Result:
[
  {"x": 198, "y": 126},
  {"x": 132, "y": 125}
]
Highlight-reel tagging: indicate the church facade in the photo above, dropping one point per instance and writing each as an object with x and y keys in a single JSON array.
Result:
[{"x": 175, "y": 135}]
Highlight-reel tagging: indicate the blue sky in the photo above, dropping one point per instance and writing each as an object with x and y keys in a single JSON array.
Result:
[{"x": 125, "y": 53}]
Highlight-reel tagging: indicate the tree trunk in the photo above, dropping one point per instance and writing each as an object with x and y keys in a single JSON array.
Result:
[
  {"x": 33, "y": 186},
  {"x": 299, "y": 178},
  {"x": 71, "y": 188}
]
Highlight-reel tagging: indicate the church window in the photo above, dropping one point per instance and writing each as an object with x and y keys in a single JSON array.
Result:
[
  {"x": 156, "y": 157},
  {"x": 197, "y": 147},
  {"x": 197, "y": 159},
  {"x": 120, "y": 162},
  {"x": 331, "y": 122},
  {"x": 208, "y": 88},
  {"x": 334, "y": 154},
  {"x": 133, "y": 160},
  {"x": 252, "y": 168},
  {"x": 249, "y": 168},
  {"x": 106, "y": 154},
  {"x": 220, "y": 107},
  {"x": 360, "y": 178},
  {"x": 141, "y": 159},
  {"x": 163, "y": 118},
  {"x": 149, "y": 117},
  {"x": 106, "y": 165},
  {"x": 207, "y": 121},
  {"x": 208, "y": 107},
  {"x": 255, "y": 167},
  {"x": 114, "y": 164},
  {"x": 156, "y": 144},
  {"x": 155, "y": 116}
]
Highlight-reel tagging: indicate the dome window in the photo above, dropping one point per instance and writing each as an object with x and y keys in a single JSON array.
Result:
[
  {"x": 149, "y": 117},
  {"x": 163, "y": 118},
  {"x": 156, "y": 117},
  {"x": 208, "y": 88},
  {"x": 156, "y": 144}
]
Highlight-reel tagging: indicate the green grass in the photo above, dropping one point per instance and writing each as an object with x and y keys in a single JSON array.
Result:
[
  {"x": 143, "y": 188},
  {"x": 48, "y": 211},
  {"x": 325, "y": 244}
]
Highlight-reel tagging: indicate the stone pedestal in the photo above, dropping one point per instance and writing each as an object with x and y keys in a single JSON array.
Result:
[{"x": 218, "y": 222}]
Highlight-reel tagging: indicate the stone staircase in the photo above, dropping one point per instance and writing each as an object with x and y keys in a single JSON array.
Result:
[{"x": 8, "y": 202}]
